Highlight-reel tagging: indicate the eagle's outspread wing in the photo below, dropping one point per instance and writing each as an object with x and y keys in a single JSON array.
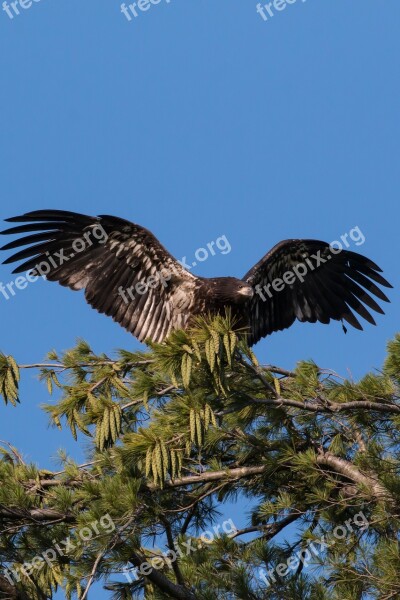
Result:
[
  {"x": 310, "y": 281},
  {"x": 125, "y": 271}
]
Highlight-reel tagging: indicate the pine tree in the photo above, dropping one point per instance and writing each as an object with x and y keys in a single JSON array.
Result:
[{"x": 177, "y": 432}]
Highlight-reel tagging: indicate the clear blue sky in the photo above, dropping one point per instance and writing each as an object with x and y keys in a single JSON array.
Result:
[{"x": 197, "y": 120}]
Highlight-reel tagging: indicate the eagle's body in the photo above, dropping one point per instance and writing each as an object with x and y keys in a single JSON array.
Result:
[{"x": 127, "y": 274}]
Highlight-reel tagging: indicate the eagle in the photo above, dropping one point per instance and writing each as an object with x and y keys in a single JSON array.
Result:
[{"x": 127, "y": 274}]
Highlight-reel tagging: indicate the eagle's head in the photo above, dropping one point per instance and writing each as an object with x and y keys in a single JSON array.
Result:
[
  {"x": 230, "y": 289},
  {"x": 245, "y": 290}
]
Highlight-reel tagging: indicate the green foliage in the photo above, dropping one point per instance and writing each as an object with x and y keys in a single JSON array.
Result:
[
  {"x": 178, "y": 432},
  {"x": 392, "y": 362},
  {"x": 9, "y": 379}
]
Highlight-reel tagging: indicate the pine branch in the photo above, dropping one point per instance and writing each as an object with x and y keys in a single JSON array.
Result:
[
  {"x": 351, "y": 472},
  {"x": 10, "y": 592},
  {"x": 333, "y": 407},
  {"x": 35, "y": 515},
  {"x": 175, "y": 563},
  {"x": 271, "y": 530},
  {"x": 228, "y": 474},
  {"x": 164, "y": 584}
]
